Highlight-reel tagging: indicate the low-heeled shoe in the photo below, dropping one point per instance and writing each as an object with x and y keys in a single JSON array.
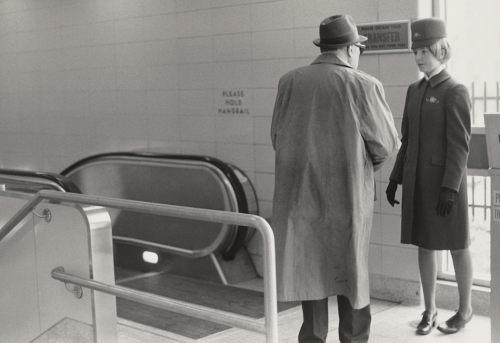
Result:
[
  {"x": 427, "y": 323},
  {"x": 454, "y": 324}
]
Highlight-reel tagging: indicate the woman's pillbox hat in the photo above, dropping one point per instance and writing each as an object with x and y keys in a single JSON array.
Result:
[{"x": 425, "y": 32}]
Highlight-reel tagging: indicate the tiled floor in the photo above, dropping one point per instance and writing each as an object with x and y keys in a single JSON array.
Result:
[{"x": 391, "y": 323}]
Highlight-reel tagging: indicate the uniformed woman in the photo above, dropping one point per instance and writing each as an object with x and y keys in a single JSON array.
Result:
[{"x": 432, "y": 167}]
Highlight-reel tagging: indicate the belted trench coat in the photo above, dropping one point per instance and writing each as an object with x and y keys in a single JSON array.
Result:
[
  {"x": 331, "y": 125},
  {"x": 436, "y": 131}
]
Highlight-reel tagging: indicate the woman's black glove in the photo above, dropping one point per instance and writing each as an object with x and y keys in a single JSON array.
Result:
[
  {"x": 391, "y": 193},
  {"x": 445, "y": 202}
]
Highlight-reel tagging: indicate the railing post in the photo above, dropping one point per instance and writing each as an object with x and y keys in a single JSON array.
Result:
[{"x": 270, "y": 296}]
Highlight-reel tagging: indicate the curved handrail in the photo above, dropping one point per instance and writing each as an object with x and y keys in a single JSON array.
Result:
[
  {"x": 270, "y": 297},
  {"x": 226, "y": 169},
  {"x": 43, "y": 179},
  {"x": 211, "y": 246}
]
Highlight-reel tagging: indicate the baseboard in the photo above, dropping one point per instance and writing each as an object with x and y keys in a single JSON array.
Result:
[
  {"x": 397, "y": 290},
  {"x": 409, "y": 292}
]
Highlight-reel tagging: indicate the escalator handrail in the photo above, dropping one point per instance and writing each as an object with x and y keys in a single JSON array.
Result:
[
  {"x": 241, "y": 233},
  {"x": 270, "y": 294},
  {"x": 52, "y": 180}
]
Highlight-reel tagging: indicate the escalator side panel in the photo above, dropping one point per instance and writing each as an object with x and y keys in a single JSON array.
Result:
[{"x": 184, "y": 185}]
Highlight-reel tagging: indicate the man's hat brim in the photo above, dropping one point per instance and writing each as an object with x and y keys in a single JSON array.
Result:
[{"x": 360, "y": 39}]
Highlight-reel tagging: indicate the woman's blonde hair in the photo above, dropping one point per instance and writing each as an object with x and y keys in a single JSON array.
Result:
[{"x": 441, "y": 50}]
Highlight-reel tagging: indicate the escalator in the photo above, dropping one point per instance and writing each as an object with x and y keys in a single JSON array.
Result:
[
  {"x": 197, "y": 261},
  {"x": 208, "y": 251}
]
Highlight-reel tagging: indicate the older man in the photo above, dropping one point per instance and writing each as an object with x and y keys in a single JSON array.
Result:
[{"x": 331, "y": 130}]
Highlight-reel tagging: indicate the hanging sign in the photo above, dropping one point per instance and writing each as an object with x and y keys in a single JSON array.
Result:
[{"x": 386, "y": 37}]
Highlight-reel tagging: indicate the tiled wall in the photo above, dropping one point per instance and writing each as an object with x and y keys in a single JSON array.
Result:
[{"x": 81, "y": 77}]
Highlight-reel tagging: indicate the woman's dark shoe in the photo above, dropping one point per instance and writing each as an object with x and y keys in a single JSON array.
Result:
[
  {"x": 454, "y": 324},
  {"x": 427, "y": 323}
]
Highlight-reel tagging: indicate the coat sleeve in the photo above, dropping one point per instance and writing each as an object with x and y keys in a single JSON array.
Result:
[
  {"x": 278, "y": 109},
  {"x": 397, "y": 170},
  {"x": 458, "y": 132},
  {"x": 377, "y": 126}
]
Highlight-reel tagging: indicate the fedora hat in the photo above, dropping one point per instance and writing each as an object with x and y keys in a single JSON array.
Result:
[
  {"x": 425, "y": 32},
  {"x": 338, "y": 31}
]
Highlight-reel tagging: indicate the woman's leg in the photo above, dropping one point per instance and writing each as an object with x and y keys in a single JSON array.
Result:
[
  {"x": 427, "y": 263},
  {"x": 462, "y": 261}
]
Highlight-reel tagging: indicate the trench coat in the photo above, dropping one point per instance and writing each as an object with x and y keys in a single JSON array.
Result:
[
  {"x": 331, "y": 125},
  {"x": 436, "y": 131}
]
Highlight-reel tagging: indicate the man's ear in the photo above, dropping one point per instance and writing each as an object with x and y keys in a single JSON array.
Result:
[{"x": 349, "y": 51}]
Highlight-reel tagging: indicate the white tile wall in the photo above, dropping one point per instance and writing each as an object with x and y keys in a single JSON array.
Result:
[
  {"x": 264, "y": 185},
  {"x": 370, "y": 64},
  {"x": 395, "y": 96},
  {"x": 262, "y": 130},
  {"x": 224, "y": 3},
  {"x": 272, "y": 15},
  {"x": 80, "y": 77},
  {"x": 195, "y": 50},
  {"x": 231, "y": 75},
  {"x": 398, "y": 69},
  {"x": 230, "y": 129},
  {"x": 198, "y": 129},
  {"x": 153, "y": 7},
  {"x": 304, "y": 46},
  {"x": 375, "y": 259},
  {"x": 162, "y": 27},
  {"x": 162, "y": 102},
  {"x": 231, "y": 20},
  {"x": 395, "y": 10},
  {"x": 195, "y": 76},
  {"x": 194, "y": 24},
  {"x": 192, "y": 5},
  {"x": 264, "y": 158},
  {"x": 241, "y": 155},
  {"x": 360, "y": 10},
  {"x": 376, "y": 234},
  {"x": 390, "y": 229},
  {"x": 264, "y": 99},
  {"x": 400, "y": 263},
  {"x": 272, "y": 44},
  {"x": 266, "y": 74},
  {"x": 310, "y": 14}
]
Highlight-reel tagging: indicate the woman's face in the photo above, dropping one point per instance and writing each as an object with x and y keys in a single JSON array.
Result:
[{"x": 425, "y": 60}]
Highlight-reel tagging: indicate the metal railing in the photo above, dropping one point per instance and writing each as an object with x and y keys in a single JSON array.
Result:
[
  {"x": 269, "y": 328},
  {"x": 482, "y": 102}
]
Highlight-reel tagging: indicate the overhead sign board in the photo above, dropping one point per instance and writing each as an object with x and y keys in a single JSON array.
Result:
[{"x": 386, "y": 37}]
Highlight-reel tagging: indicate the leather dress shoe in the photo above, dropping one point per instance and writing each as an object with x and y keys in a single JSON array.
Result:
[
  {"x": 454, "y": 324},
  {"x": 427, "y": 323}
]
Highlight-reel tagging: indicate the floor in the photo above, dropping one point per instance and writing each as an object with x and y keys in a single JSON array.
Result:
[{"x": 391, "y": 323}]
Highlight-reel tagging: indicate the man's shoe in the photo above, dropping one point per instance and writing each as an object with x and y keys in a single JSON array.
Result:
[
  {"x": 427, "y": 323},
  {"x": 454, "y": 324}
]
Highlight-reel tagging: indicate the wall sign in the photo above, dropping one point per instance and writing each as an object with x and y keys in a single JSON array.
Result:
[
  {"x": 386, "y": 37},
  {"x": 496, "y": 214},
  {"x": 233, "y": 102}
]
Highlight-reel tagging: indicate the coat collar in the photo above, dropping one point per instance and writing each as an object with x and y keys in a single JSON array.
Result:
[
  {"x": 437, "y": 79},
  {"x": 331, "y": 58}
]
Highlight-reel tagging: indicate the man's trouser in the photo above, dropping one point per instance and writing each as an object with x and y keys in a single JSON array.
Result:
[{"x": 354, "y": 325}]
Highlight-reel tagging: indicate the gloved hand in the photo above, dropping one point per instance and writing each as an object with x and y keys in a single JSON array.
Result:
[
  {"x": 391, "y": 193},
  {"x": 445, "y": 202}
]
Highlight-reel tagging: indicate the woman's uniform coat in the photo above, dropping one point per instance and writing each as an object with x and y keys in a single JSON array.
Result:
[
  {"x": 330, "y": 125},
  {"x": 435, "y": 145}
]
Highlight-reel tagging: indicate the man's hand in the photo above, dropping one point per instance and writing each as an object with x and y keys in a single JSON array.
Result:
[
  {"x": 445, "y": 202},
  {"x": 391, "y": 193}
]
